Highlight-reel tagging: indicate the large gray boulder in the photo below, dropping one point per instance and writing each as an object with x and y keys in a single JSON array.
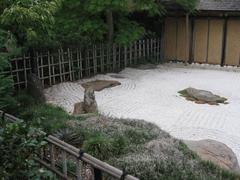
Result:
[
  {"x": 202, "y": 96},
  {"x": 89, "y": 105},
  {"x": 215, "y": 152}
]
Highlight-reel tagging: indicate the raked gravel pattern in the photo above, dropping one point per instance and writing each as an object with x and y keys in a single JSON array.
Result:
[{"x": 152, "y": 95}]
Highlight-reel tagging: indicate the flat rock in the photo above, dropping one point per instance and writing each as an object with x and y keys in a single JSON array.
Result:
[
  {"x": 99, "y": 85},
  {"x": 202, "y": 96},
  {"x": 147, "y": 66},
  {"x": 216, "y": 152}
]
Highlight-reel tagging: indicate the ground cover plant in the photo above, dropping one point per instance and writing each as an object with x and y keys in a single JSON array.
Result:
[{"x": 142, "y": 148}]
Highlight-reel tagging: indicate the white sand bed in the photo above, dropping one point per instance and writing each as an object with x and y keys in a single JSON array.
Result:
[{"x": 152, "y": 95}]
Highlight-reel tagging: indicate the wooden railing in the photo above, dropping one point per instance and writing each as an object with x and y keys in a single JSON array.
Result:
[{"x": 69, "y": 162}]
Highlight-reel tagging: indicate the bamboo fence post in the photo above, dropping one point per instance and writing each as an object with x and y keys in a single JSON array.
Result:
[
  {"x": 63, "y": 65},
  {"x": 88, "y": 63},
  {"x": 78, "y": 64},
  {"x": 81, "y": 62},
  {"x": 119, "y": 57},
  {"x": 60, "y": 66},
  {"x": 144, "y": 50},
  {"x": 42, "y": 72},
  {"x": 152, "y": 48},
  {"x": 37, "y": 61},
  {"x": 17, "y": 73},
  {"x": 125, "y": 56},
  {"x": 135, "y": 53},
  {"x": 140, "y": 49},
  {"x": 78, "y": 170},
  {"x": 25, "y": 70},
  {"x": 49, "y": 69},
  {"x": 114, "y": 57},
  {"x": 69, "y": 64},
  {"x": 108, "y": 57},
  {"x": 64, "y": 162},
  {"x": 95, "y": 59},
  {"x": 52, "y": 155},
  {"x": 53, "y": 70},
  {"x": 72, "y": 65},
  {"x": 130, "y": 52}
]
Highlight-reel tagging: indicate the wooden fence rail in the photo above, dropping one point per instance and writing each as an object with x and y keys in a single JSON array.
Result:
[
  {"x": 68, "y": 162},
  {"x": 76, "y": 63}
]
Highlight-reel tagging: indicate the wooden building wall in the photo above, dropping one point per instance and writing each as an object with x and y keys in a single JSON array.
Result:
[{"x": 211, "y": 41}]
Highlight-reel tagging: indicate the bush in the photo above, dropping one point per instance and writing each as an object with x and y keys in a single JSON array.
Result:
[
  {"x": 18, "y": 142},
  {"x": 7, "y": 48},
  {"x": 50, "y": 118},
  {"x": 103, "y": 147}
]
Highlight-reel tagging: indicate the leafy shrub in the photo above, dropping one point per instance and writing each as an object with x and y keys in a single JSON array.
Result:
[
  {"x": 18, "y": 142},
  {"x": 70, "y": 136},
  {"x": 98, "y": 146},
  {"x": 6, "y": 82},
  {"x": 50, "y": 118},
  {"x": 104, "y": 147}
]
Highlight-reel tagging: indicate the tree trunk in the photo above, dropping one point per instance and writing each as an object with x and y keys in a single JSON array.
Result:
[{"x": 109, "y": 18}]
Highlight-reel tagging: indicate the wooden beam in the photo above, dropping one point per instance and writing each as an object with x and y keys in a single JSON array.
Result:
[{"x": 187, "y": 39}]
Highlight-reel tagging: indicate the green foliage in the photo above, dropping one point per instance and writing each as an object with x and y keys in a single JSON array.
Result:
[
  {"x": 138, "y": 136},
  {"x": 104, "y": 147},
  {"x": 18, "y": 142},
  {"x": 48, "y": 117},
  {"x": 128, "y": 32},
  {"x": 71, "y": 136},
  {"x": 7, "y": 48},
  {"x": 31, "y": 21},
  {"x": 188, "y": 5},
  {"x": 82, "y": 22}
]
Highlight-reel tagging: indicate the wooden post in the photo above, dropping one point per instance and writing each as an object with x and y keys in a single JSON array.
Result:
[
  {"x": 60, "y": 65},
  {"x": 97, "y": 174},
  {"x": 78, "y": 170},
  {"x": 224, "y": 40},
  {"x": 95, "y": 59},
  {"x": 52, "y": 152},
  {"x": 25, "y": 70},
  {"x": 187, "y": 39},
  {"x": 64, "y": 162},
  {"x": 114, "y": 57},
  {"x": 49, "y": 69},
  {"x": 42, "y": 74},
  {"x": 125, "y": 56}
]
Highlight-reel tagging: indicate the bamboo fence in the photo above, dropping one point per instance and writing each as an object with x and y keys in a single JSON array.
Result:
[{"x": 72, "y": 64}]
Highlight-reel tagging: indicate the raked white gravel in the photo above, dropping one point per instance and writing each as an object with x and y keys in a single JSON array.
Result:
[{"x": 152, "y": 95}]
